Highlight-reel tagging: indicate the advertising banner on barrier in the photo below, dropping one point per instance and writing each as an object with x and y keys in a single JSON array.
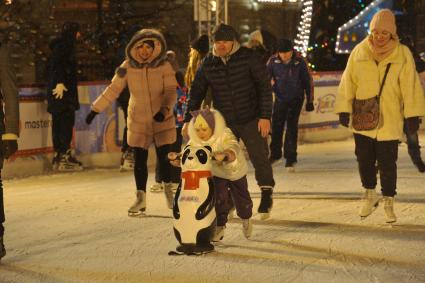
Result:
[
  {"x": 100, "y": 135},
  {"x": 103, "y": 135},
  {"x": 35, "y": 127},
  {"x": 325, "y": 90}
]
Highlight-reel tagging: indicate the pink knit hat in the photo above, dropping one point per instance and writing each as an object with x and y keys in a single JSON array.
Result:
[{"x": 384, "y": 19}]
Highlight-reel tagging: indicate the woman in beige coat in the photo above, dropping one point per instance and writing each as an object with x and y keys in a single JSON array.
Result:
[
  {"x": 401, "y": 98},
  {"x": 152, "y": 85}
]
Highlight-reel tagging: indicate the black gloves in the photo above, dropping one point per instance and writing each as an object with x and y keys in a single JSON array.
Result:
[
  {"x": 8, "y": 148},
  {"x": 309, "y": 106},
  {"x": 90, "y": 117},
  {"x": 412, "y": 124},
  {"x": 344, "y": 119},
  {"x": 160, "y": 116}
]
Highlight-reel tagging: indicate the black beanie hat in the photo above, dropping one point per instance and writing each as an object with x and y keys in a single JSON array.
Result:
[
  {"x": 285, "y": 45},
  {"x": 201, "y": 44},
  {"x": 224, "y": 32}
]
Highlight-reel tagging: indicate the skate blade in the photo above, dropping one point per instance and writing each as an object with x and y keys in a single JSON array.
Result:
[
  {"x": 68, "y": 169},
  {"x": 290, "y": 169},
  {"x": 123, "y": 169},
  {"x": 136, "y": 214},
  {"x": 217, "y": 240},
  {"x": 264, "y": 216},
  {"x": 373, "y": 209}
]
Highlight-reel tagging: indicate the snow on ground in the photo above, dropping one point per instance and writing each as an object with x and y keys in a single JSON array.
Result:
[{"x": 74, "y": 228}]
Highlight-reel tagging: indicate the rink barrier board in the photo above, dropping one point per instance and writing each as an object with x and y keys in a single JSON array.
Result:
[{"x": 99, "y": 144}]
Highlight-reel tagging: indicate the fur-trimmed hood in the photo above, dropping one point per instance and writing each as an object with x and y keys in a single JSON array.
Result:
[
  {"x": 159, "y": 54},
  {"x": 222, "y": 139},
  {"x": 219, "y": 127}
]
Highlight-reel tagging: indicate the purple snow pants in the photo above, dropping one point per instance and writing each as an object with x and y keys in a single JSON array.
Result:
[{"x": 223, "y": 200}]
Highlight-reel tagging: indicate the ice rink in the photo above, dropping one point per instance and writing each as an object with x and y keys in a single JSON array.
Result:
[{"x": 74, "y": 228}]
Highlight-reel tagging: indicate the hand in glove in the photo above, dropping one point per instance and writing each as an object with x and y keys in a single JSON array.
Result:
[
  {"x": 309, "y": 106},
  {"x": 160, "y": 115},
  {"x": 90, "y": 117},
  {"x": 344, "y": 119},
  {"x": 58, "y": 91},
  {"x": 412, "y": 124},
  {"x": 8, "y": 148}
]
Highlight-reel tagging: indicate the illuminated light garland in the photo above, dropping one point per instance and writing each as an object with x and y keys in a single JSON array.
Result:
[
  {"x": 353, "y": 22},
  {"x": 303, "y": 34}
]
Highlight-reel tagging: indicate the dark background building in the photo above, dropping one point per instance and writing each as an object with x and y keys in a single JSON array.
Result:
[{"x": 35, "y": 23}]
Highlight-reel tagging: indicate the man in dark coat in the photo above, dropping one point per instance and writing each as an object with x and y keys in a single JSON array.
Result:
[
  {"x": 62, "y": 95},
  {"x": 9, "y": 123},
  {"x": 291, "y": 82},
  {"x": 241, "y": 92}
]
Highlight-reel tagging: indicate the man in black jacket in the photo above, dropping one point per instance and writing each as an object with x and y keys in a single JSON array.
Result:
[
  {"x": 62, "y": 95},
  {"x": 241, "y": 91},
  {"x": 9, "y": 123}
]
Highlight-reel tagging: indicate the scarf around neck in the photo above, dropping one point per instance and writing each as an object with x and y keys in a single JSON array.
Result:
[{"x": 380, "y": 53}]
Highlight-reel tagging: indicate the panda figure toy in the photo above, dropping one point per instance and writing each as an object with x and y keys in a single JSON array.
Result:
[{"x": 193, "y": 209}]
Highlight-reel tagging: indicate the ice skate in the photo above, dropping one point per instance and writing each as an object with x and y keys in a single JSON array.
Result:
[
  {"x": 389, "y": 209},
  {"x": 370, "y": 203},
  {"x": 127, "y": 160},
  {"x": 156, "y": 188},
  {"x": 273, "y": 160},
  {"x": 421, "y": 166},
  {"x": 69, "y": 163},
  {"x": 247, "y": 227},
  {"x": 169, "y": 193},
  {"x": 218, "y": 234},
  {"x": 290, "y": 166},
  {"x": 139, "y": 206},
  {"x": 190, "y": 249},
  {"x": 266, "y": 203},
  {"x": 2, "y": 248},
  {"x": 55, "y": 161}
]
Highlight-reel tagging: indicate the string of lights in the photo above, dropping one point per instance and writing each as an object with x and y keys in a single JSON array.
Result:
[{"x": 303, "y": 34}]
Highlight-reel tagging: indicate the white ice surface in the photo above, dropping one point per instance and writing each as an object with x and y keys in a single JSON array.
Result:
[{"x": 74, "y": 228}]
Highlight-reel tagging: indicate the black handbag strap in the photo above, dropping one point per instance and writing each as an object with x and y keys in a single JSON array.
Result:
[{"x": 385, "y": 77}]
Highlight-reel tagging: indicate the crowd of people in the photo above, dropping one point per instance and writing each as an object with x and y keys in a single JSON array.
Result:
[{"x": 224, "y": 97}]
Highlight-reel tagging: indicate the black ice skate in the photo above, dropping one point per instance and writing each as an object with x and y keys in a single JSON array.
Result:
[
  {"x": 421, "y": 166},
  {"x": 68, "y": 163},
  {"x": 266, "y": 203},
  {"x": 2, "y": 248},
  {"x": 127, "y": 160},
  {"x": 290, "y": 166}
]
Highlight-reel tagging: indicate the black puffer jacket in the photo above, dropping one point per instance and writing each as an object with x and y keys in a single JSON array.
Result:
[
  {"x": 240, "y": 89},
  {"x": 62, "y": 68}
]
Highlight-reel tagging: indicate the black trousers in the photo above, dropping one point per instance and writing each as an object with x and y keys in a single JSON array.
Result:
[
  {"x": 125, "y": 146},
  {"x": 62, "y": 129},
  {"x": 413, "y": 147},
  {"x": 369, "y": 152},
  {"x": 141, "y": 167},
  {"x": 258, "y": 151},
  {"x": 238, "y": 193},
  {"x": 175, "y": 172},
  {"x": 285, "y": 113}
]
